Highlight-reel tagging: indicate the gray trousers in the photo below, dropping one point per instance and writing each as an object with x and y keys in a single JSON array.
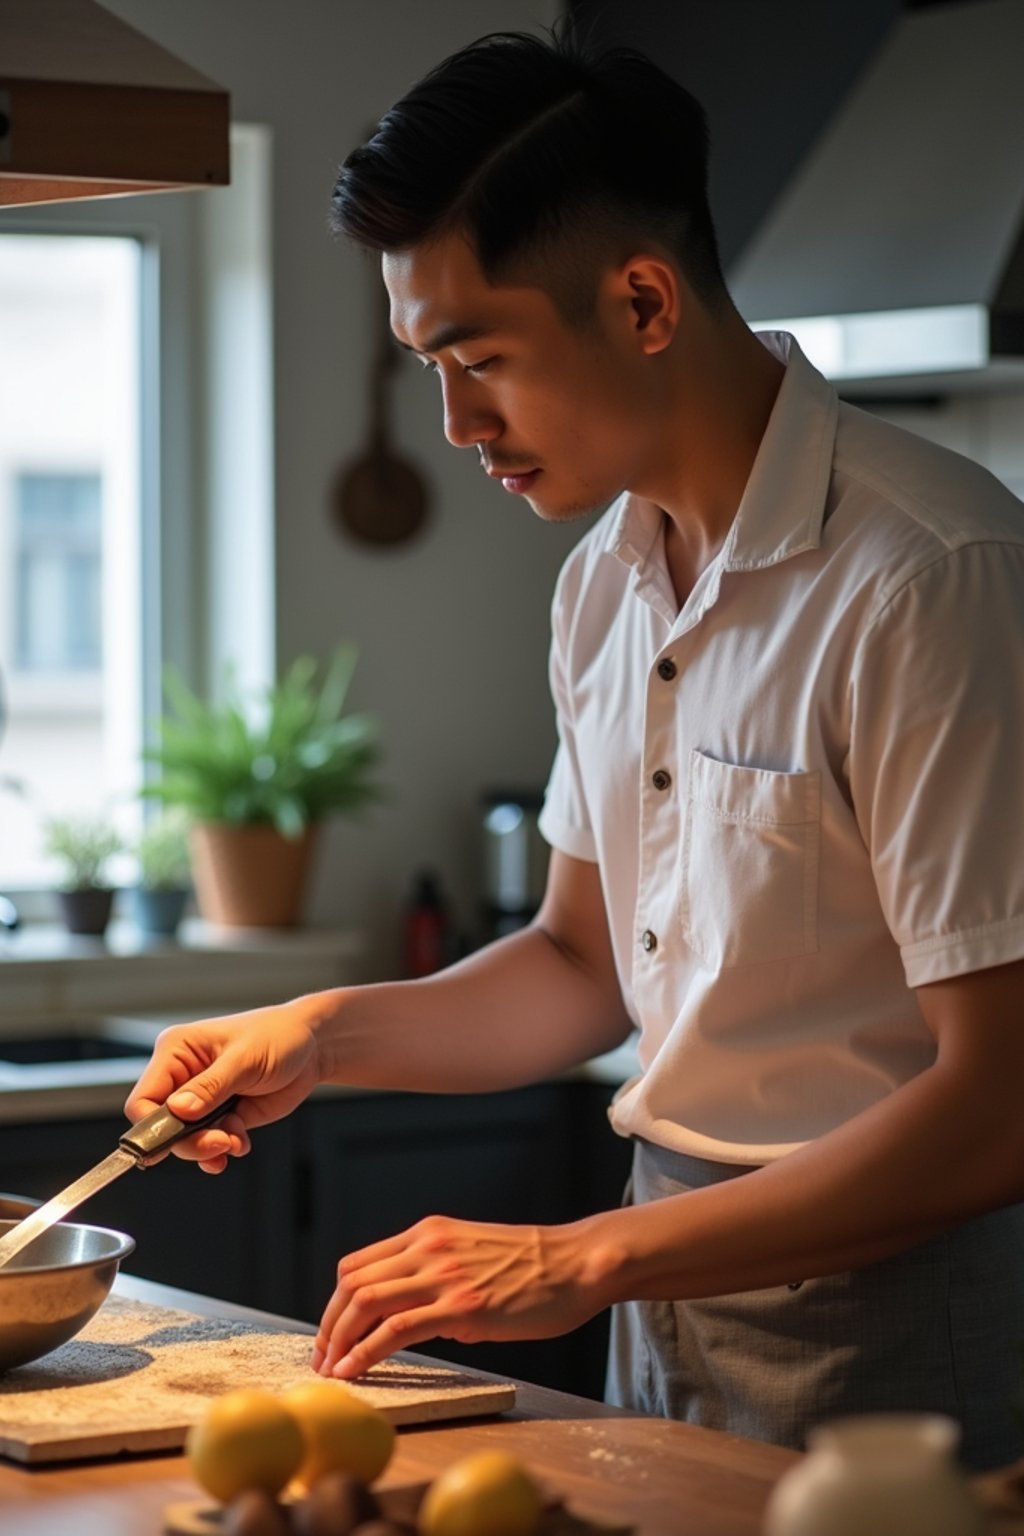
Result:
[{"x": 939, "y": 1328}]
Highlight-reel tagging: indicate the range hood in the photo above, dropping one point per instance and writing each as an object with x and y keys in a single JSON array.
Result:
[
  {"x": 896, "y": 254},
  {"x": 90, "y": 107}
]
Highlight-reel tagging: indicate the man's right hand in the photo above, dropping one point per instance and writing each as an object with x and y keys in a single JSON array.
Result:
[{"x": 269, "y": 1056}]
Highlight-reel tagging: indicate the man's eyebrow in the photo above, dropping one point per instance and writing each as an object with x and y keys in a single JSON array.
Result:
[{"x": 448, "y": 336}]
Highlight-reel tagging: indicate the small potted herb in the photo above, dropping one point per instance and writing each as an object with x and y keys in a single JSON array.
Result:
[
  {"x": 83, "y": 845},
  {"x": 164, "y": 886}
]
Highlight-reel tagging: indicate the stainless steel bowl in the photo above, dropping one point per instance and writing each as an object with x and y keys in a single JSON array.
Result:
[
  {"x": 14, "y": 1207},
  {"x": 51, "y": 1290}
]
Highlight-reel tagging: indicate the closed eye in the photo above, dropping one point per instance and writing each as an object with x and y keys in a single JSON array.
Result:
[{"x": 485, "y": 363}]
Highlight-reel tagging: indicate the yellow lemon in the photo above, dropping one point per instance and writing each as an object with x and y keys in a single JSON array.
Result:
[
  {"x": 487, "y": 1494},
  {"x": 341, "y": 1432},
  {"x": 246, "y": 1439}
]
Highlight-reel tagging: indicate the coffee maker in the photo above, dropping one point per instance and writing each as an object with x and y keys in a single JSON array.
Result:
[{"x": 515, "y": 859}]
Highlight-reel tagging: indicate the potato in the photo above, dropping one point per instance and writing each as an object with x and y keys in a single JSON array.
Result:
[{"x": 255, "y": 1513}]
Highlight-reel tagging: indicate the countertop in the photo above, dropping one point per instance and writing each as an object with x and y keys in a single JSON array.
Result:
[{"x": 659, "y": 1477}]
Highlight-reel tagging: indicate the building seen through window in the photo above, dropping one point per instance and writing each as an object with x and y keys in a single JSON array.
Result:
[
  {"x": 58, "y": 539},
  {"x": 70, "y": 534}
]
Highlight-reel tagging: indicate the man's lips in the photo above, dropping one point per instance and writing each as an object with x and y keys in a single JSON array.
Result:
[{"x": 515, "y": 481}]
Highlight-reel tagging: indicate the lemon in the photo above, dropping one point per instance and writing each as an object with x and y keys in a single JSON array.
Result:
[
  {"x": 487, "y": 1494},
  {"x": 340, "y": 1430},
  {"x": 246, "y": 1439}
]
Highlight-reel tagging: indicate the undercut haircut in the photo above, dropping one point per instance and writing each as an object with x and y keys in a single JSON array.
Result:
[{"x": 550, "y": 161}]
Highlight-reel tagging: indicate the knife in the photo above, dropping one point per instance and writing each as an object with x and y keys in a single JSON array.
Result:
[{"x": 140, "y": 1146}]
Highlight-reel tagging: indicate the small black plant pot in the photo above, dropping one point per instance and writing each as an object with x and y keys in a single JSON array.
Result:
[
  {"x": 86, "y": 911},
  {"x": 158, "y": 910}
]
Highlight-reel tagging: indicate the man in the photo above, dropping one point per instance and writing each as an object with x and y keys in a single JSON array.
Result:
[{"x": 785, "y": 814}]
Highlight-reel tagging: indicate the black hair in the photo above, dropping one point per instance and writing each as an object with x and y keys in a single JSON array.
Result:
[{"x": 549, "y": 160}]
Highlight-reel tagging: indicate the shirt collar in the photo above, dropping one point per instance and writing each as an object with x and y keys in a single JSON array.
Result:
[{"x": 782, "y": 507}]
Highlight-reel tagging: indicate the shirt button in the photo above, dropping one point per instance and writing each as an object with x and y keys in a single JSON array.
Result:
[
  {"x": 667, "y": 669},
  {"x": 649, "y": 940},
  {"x": 661, "y": 779}
]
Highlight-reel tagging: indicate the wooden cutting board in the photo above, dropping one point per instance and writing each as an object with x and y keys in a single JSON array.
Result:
[{"x": 137, "y": 1376}]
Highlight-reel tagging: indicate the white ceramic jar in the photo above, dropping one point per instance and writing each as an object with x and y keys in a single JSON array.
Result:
[{"x": 877, "y": 1475}]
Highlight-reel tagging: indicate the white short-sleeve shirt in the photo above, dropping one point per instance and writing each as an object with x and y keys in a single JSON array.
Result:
[{"x": 804, "y": 790}]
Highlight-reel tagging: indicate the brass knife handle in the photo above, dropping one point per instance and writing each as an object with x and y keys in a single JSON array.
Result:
[{"x": 156, "y": 1132}]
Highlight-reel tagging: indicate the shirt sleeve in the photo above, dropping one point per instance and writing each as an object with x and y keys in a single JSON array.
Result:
[
  {"x": 937, "y": 761},
  {"x": 564, "y": 820}
]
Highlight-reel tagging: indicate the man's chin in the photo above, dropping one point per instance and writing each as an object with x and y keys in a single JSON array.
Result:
[{"x": 568, "y": 511}]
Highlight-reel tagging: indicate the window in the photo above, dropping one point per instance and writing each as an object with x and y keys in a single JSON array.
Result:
[
  {"x": 70, "y": 517},
  {"x": 136, "y": 483}
]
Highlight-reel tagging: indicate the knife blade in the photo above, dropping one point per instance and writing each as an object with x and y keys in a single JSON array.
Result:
[{"x": 142, "y": 1144}]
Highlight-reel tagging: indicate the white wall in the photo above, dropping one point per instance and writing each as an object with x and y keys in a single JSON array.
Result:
[{"x": 452, "y": 628}]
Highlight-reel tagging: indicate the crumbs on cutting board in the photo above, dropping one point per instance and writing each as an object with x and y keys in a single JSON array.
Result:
[{"x": 172, "y": 1363}]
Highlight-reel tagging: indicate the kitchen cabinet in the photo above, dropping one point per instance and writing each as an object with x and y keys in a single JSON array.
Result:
[{"x": 342, "y": 1171}]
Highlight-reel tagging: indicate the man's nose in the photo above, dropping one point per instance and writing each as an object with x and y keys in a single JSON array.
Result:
[{"x": 467, "y": 420}]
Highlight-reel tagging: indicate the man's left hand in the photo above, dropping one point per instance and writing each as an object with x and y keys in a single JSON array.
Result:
[{"x": 460, "y": 1280}]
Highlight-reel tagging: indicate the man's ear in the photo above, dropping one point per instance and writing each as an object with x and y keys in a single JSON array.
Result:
[{"x": 654, "y": 293}]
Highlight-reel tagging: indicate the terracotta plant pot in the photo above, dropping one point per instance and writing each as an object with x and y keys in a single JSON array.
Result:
[
  {"x": 86, "y": 910},
  {"x": 249, "y": 877}
]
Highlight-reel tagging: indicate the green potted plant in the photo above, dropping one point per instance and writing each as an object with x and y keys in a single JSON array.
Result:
[
  {"x": 164, "y": 883},
  {"x": 83, "y": 845},
  {"x": 257, "y": 777}
]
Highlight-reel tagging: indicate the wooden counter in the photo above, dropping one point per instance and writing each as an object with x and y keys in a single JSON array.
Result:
[{"x": 663, "y": 1478}]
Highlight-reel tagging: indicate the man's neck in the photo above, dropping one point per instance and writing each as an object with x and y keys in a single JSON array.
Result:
[{"x": 725, "y": 401}]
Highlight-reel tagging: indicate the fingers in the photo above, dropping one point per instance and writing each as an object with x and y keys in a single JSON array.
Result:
[
  {"x": 229, "y": 1074},
  {"x": 402, "y": 1331},
  {"x": 353, "y": 1310},
  {"x": 228, "y": 1138},
  {"x": 182, "y": 1076},
  {"x": 367, "y": 1311},
  {"x": 181, "y": 1052},
  {"x": 391, "y": 1295},
  {"x": 344, "y": 1291}
]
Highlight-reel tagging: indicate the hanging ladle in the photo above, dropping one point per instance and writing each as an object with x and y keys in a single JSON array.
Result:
[{"x": 380, "y": 498}]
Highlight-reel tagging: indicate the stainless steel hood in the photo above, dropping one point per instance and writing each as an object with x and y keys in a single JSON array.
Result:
[
  {"x": 89, "y": 107},
  {"x": 896, "y": 254}
]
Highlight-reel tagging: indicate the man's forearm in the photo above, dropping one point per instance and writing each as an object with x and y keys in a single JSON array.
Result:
[{"x": 520, "y": 1010}]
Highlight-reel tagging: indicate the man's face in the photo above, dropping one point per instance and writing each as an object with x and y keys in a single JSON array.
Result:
[{"x": 561, "y": 415}]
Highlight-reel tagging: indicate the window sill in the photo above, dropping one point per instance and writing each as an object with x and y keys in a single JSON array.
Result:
[{"x": 50, "y": 974}]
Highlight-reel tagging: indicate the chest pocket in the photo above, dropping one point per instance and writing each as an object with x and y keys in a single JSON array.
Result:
[{"x": 749, "y": 886}]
